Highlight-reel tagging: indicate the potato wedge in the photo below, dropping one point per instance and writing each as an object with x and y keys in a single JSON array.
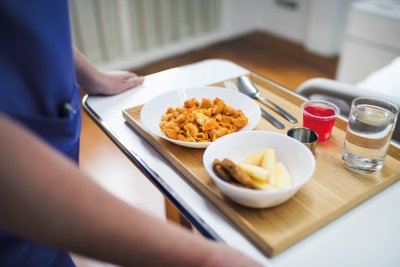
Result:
[
  {"x": 274, "y": 177},
  {"x": 268, "y": 160},
  {"x": 285, "y": 180},
  {"x": 262, "y": 185},
  {"x": 280, "y": 177},
  {"x": 255, "y": 158},
  {"x": 257, "y": 173}
]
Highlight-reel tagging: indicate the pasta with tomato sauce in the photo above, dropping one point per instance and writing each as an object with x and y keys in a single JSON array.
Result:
[{"x": 203, "y": 121}]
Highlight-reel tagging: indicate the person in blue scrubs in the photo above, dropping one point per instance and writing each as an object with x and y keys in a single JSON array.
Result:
[
  {"x": 45, "y": 201},
  {"x": 39, "y": 90}
]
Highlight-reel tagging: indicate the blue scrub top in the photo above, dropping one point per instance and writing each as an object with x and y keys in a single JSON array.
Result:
[{"x": 38, "y": 89}]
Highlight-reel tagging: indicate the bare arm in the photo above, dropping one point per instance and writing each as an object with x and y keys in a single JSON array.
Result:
[
  {"x": 44, "y": 197},
  {"x": 95, "y": 81}
]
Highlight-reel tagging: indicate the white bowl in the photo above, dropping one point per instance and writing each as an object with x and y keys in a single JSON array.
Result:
[
  {"x": 297, "y": 158},
  {"x": 153, "y": 110}
]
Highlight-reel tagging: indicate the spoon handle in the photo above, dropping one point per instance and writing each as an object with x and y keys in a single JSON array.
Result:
[
  {"x": 280, "y": 110},
  {"x": 272, "y": 119}
]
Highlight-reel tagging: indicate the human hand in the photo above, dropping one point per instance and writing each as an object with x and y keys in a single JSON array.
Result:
[
  {"x": 95, "y": 81},
  {"x": 110, "y": 82}
]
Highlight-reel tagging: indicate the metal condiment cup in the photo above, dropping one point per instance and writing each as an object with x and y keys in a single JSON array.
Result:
[{"x": 305, "y": 135}]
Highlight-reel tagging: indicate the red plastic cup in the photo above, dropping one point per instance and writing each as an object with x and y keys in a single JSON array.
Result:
[{"x": 320, "y": 116}]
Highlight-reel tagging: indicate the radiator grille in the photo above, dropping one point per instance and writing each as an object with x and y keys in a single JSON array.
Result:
[{"x": 127, "y": 33}]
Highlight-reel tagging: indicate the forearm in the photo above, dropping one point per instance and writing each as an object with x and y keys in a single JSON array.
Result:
[
  {"x": 85, "y": 71},
  {"x": 44, "y": 197}
]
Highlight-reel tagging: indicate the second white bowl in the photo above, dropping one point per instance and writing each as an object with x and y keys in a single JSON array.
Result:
[{"x": 297, "y": 158}]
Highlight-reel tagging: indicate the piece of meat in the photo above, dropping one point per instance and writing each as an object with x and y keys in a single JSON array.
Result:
[
  {"x": 221, "y": 172},
  {"x": 237, "y": 173}
]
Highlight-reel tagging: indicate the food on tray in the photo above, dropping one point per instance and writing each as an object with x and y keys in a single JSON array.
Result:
[
  {"x": 255, "y": 158},
  {"x": 257, "y": 171},
  {"x": 268, "y": 160},
  {"x": 280, "y": 177},
  {"x": 232, "y": 173},
  {"x": 221, "y": 172},
  {"x": 203, "y": 121}
]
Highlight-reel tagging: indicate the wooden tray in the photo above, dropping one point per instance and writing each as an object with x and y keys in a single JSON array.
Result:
[{"x": 332, "y": 190}]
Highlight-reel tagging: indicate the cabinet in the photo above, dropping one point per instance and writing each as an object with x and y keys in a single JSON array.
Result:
[{"x": 372, "y": 39}]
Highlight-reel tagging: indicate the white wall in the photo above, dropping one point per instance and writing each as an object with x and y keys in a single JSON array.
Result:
[
  {"x": 243, "y": 16},
  {"x": 325, "y": 26},
  {"x": 286, "y": 22},
  {"x": 318, "y": 24}
]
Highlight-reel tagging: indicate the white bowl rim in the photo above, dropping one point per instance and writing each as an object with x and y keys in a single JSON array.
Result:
[{"x": 273, "y": 191}]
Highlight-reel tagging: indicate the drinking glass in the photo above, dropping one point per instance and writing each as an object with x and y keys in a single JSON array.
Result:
[
  {"x": 368, "y": 135},
  {"x": 320, "y": 115}
]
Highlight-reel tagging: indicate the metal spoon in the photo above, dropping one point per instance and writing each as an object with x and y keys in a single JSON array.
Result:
[
  {"x": 232, "y": 86},
  {"x": 248, "y": 88}
]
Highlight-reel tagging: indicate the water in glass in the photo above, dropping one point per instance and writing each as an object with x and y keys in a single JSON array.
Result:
[{"x": 368, "y": 137}]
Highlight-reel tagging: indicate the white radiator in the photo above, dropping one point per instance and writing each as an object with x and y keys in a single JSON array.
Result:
[{"x": 127, "y": 33}]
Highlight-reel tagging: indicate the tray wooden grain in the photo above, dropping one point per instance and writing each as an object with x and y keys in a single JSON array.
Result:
[{"x": 332, "y": 191}]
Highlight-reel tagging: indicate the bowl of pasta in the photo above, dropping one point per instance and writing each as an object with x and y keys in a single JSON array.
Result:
[
  {"x": 195, "y": 117},
  {"x": 259, "y": 169}
]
